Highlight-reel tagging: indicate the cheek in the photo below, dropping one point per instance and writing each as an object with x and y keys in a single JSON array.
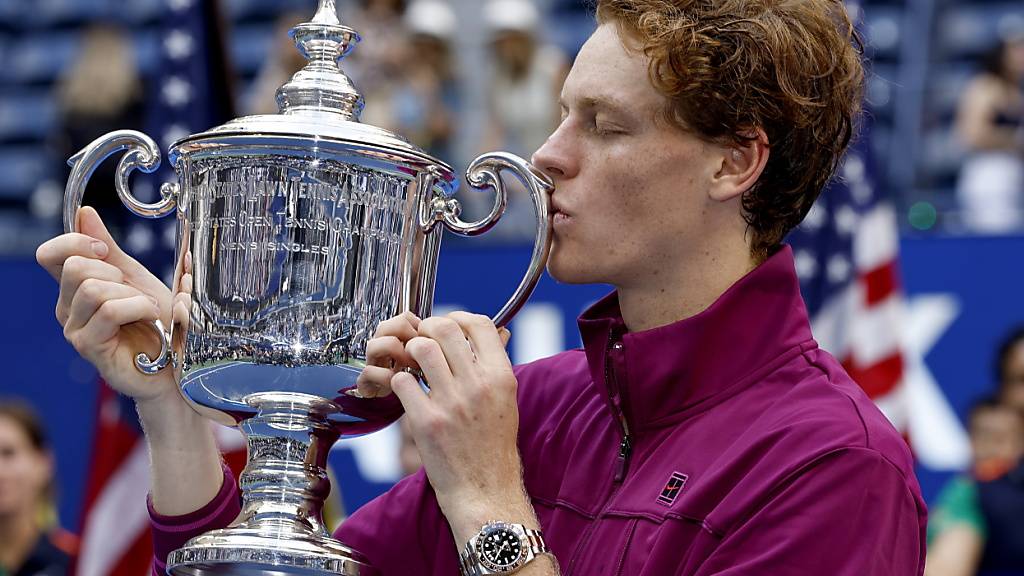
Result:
[{"x": 656, "y": 190}]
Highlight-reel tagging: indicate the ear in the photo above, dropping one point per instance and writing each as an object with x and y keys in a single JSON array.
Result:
[{"x": 741, "y": 166}]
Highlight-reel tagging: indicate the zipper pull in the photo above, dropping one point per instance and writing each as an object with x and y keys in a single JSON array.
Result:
[{"x": 625, "y": 449}]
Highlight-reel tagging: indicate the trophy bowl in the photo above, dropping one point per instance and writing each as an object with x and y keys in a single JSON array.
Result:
[{"x": 298, "y": 233}]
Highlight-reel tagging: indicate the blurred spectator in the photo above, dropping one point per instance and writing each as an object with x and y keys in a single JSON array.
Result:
[
  {"x": 100, "y": 92},
  {"x": 1009, "y": 369},
  {"x": 990, "y": 124},
  {"x": 379, "y": 55},
  {"x": 977, "y": 525},
  {"x": 30, "y": 542},
  {"x": 528, "y": 77},
  {"x": 281, "y": 63},
  {"x": 420, "y": 101},
  {"x": 966, "y": 529},
  {"x": 522, "y": 101}
]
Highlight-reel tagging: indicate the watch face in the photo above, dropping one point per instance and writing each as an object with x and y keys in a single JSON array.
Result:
[{"x": 500, "y": 548}]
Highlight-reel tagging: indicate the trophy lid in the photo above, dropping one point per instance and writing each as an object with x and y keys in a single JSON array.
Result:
[{"x": 319, "y": 103}]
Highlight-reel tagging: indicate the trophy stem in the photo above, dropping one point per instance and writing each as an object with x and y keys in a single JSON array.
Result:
[
  {"x": 285, "y": 480},
  {"x": 280, "y": 529}
]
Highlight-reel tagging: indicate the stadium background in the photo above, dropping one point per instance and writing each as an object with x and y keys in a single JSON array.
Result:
[{"x": 961, "y": 292}]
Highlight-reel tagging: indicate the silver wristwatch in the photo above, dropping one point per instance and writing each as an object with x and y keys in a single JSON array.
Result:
[{"x": 501, "y": 548}]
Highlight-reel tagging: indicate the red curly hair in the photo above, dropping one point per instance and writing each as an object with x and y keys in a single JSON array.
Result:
[{"x": 792, "y": 68}]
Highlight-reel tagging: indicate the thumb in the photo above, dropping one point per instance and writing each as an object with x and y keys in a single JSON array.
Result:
[{"x": 505, "y": 335}]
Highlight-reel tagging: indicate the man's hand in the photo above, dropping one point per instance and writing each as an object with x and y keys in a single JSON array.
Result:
[
  {"x": 106, "y": 301},
  {"x": 105, "y": 304},
  {"x": 466, "y": 426},
  {"x": 386, "y": 355}
]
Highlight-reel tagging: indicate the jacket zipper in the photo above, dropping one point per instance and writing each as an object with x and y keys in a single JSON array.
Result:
[
  {"x": 615, "y": 393},
  {"x": 625, "y": 446}
]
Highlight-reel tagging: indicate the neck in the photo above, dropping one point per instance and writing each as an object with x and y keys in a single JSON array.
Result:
[
  {"x": 18, "y": 534},
  {"x": 668, "y": 295}
]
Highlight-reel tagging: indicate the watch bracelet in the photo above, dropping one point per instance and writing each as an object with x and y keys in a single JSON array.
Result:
[{"x": 470, "y": 566}]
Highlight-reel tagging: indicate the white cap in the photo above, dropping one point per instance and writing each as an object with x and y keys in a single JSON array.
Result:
[
  {"x": 514, "y": 15},
  {"x": 431, "y": 18}
]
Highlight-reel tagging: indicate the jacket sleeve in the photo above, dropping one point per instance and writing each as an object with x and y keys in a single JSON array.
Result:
[
  {"x": 821, "y": 521},
  {"x": 403, "y": 532},
  {"x": 171, "y": 532}
]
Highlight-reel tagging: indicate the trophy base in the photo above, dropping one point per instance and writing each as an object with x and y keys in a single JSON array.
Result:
[{"x": 248, "y": 552}]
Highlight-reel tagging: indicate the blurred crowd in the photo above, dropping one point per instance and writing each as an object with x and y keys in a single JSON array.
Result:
[
  {"x": 455, "y": 98},
  {"x": 990, "y": 127},
  {"x": 976, "y": 524},
  {"x": 412, "y": 72},
  {"x": 407, "y": 68}
]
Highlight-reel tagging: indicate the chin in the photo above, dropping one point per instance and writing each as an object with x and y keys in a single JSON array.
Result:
[{"x": 571, "y": 271}]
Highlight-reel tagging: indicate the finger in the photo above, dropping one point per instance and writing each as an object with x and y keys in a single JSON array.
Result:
[
  {"x": 90, "y": 223},
  {"x": 449, "y": 335},
  {"x": 427, "y": 354},
  {"x": 374, "y": 382},
  {"x": 414, "y": 399},
  {"x": 402, "y": 327},
  {"x": 505, "y": 336},
  {"x": 52, "y": 254},
  {"x": 180, "y": 310},
  {"x": 185, "y": 284},
  {"x": 113, "y": 314},
  {"x": 389, "y": 352},
  {"x": 91, "y": 295},
  {"x": 76, "y": 271},
  {"x": 484, "y": 336}
]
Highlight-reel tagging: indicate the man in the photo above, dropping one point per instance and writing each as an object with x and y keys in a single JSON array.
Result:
[{"x": 701, "y": 431}]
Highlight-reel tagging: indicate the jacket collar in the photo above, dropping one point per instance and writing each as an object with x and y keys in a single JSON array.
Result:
[{"x": 669, "y": 372}]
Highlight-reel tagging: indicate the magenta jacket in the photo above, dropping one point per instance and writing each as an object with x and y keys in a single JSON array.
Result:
[{"x": 725, "y": 444}]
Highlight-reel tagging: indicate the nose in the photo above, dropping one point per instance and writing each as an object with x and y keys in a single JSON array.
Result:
[{"x": 556, "y": 157}]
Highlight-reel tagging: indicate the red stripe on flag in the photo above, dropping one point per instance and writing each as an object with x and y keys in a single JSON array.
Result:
[
  {"x": 112, "y": 443},
  {"x": 137, "y": 560},
  {"x": 879, "y": 378},
  {"x": 880, "y": 282}
]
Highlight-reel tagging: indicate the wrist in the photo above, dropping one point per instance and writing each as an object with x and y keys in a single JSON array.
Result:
[
  {"x": 504, "y": 548},
  {"x": 183, "y": 452},
  {"x": 170, "y": 422},
  {"x": 468, "y": 514}
]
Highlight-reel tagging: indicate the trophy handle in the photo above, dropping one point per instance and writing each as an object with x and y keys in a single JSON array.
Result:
[
  {"x": 485, "y": 172},
  {"x": 144, "y": 155}
]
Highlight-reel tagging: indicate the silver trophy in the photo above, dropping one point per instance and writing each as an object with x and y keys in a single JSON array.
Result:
[{"x": 302, "y": 231}]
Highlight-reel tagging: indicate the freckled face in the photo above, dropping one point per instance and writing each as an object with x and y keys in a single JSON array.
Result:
[{"x": 630, "y": 189}]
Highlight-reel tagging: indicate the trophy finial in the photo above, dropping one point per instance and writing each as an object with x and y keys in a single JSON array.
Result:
[
  {"x": 326, "y": 13},
  {"x": 321, "y": 86}
]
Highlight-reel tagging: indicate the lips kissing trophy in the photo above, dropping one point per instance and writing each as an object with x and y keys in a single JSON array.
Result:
[{"x": 302, "y": 231}]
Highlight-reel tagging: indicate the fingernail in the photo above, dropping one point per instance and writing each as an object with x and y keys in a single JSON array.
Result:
[{"x": 99, "y": 248}]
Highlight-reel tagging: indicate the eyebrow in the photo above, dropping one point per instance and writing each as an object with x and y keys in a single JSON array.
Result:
[{"x": 609, "y": 103}]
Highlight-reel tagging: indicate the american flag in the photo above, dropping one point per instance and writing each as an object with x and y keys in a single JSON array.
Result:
[
  {"x": 846, "y": 253},
  {"x": 189, "y": 95}
]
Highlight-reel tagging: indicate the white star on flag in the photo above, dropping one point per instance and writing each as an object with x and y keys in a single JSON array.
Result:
[
  {"x": 853, "y": 168},
  {"x": 178, "y": 45},
  {"x": 176, "y": 91},
  {"x": 179, "y": 5},
  {"x": 815, "y": 219},
  {"x": 838, "y": 269},
  {"x": 806, "y": 264},
  {"x": 846, "y": 220}
]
